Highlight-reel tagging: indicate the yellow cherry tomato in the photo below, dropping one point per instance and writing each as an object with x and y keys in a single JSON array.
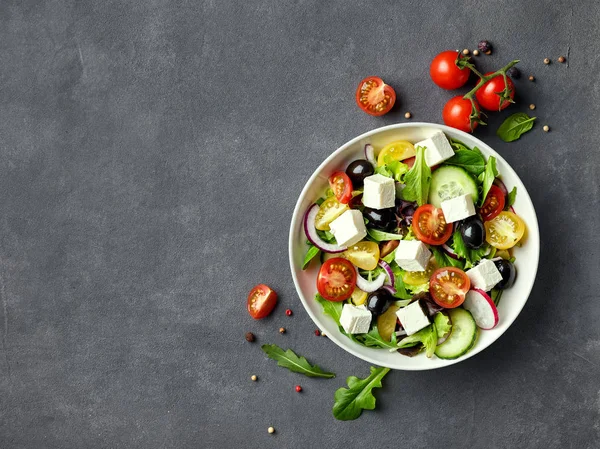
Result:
[
  {"x": 364, "y": 255},
  {"x": 505, "y": 230},
  {"x": 396, "y": 151}
]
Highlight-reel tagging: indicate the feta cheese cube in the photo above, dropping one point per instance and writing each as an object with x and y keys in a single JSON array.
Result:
[
  {"x": 437, "y": 149},
  {"x": 484, "y": 276},
  {"x": 349, "y": 228},
  {"x": 355, "y": 319},
  {"x": 412, "y": 318},
  {"x": 380, "y": 192},
  {"x": 412, "y": 255},
  {"x": 458, "y": 208}
]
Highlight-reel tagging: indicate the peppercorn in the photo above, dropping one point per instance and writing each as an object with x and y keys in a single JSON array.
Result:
[
  {"x": 475, "y": 52},
  {"x": 407, "y": 115},
  {"x": 323, "y": 334},
  {"x": 561, "y": 59},
  {"x": 282, "y": 330},
  {"x": 532, "y": 106},
  {"x": 466, "y": 51},
  {"x": 546, "y": 61},
  {"x": 254, "y": 378},
  {"x": 531, "y": 78},
  {"x": 485, "y": 47},
  {"x": 317, "y": 332},
  {"x": 271, "y": 429},
  {"x": 514, "y": 73},
  {"x": 298, "y": 388},
  {"x": 250, "y": 337},
  {"x": 288, "y": 312},
  {"x": 546, "y": 128}
]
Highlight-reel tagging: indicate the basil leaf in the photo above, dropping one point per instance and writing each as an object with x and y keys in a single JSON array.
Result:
[
  {"x": 470, "y": 160},
  {"x": 515, "y": 126},
  {"x": 288, "y": 359},
  {"x": 511, "y": 197},
  {"x": 417, "y": 180},
  {"x": 312, "y": 252},
  {"x": 380, "y": 236},
  {"x": 351, "y": 401},
  {"x": 487, "y": 177}
]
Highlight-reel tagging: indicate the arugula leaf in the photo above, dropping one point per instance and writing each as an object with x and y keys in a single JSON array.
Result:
[
  {"x": 331, "y": 308},
  {"x": 472, "y": 256},
  {"x": 515, "y": 126},
  {"x": 312, "y": 252},
  {"x": 444, "y": 260},
  {"x": 417, "y": 180},
  {"x": 381, "y": 236},
  {"x": 428, "y": 336},
  {"x": 487, "y": 177},
  {"x": 442, "y": 324},
  {"x": 288, "y": 359},
  {"x": 511, "y": 197},
  {"x": 373, "y": 340},
  {"x": 351, "y": 401},
  {"x": 470, "y": 160}
]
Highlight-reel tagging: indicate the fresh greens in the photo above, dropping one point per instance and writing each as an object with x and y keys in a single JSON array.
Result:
[
  {"x": 351, "y": 401},
  {"x": 312, "y": 252},
  {"x": 392, "y": 169},
  {"x": 381, "y": 236},
  {"x": 428, "y": 336},
  {"x": 374, "y": 340},
  {"x": 417, "y": 180},
  {"x": 472, "y": 256},
  {"x": 331, "y": 308},
  {"x": 444, "y": 260},
  {"x": 401, "y": 292},
  {"x": 442, "y": 324},
  {"x": 511, "y": 197},
  {"x": 416, "y": 289},
  {"x": 496, "y": 294},
  {"x": 288, "y": 359},
  {"x": 515, "y": 126},
  {"x": 470, "y": 160},
  {"x": 390, "y": 257},
  {"x": 326, "y": 236},
  {"x": 487, "y": 177}
]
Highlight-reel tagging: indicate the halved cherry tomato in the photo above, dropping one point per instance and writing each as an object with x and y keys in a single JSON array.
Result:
[
  {"x": 420, "y": 277},
  {"x": 494, "y": 203},
  {"x": 364, "y": 255},
  {"x": 337, "y": 279},
  {"x": 505, "y": 230},
  {"x": 396, "y": 151},
  {"x": 329, "y": 210},
  {"x": 445, "y": 73},
  {"x": 410, "y": 161},
  {"x": 448, "y": 287},
  {"x": 429, "y": 225},
  {"x": 342, "y": 186},
  {"x": 488, "y": 95},
  {"x": 261, "y": 301},
  {"x": 386, "y": 322},
  {"x": 358, "y": 297},
  {"x": 457, "y": 114},
  {"x": 375, "y": 97},
  {"x": 386, "y": 248}
]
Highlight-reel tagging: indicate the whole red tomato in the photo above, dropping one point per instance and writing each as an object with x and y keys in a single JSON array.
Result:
[
  {"x": 445, "y": 73},
  {"x": 488, "y": 95},
  {"x": 457, "y": 114}
]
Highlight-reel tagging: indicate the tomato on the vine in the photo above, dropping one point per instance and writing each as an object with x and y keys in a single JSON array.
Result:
[
  {"x": 448, "y": 287},
  {"x": 445, "y": 73},
  {"x": 493, "y": 204},
  {"x": 337, "y": 279},
  {"x": 341, "y": 185},
  {"x": 457, "y": 114},
  {"x": 488, "y": 95},
  {"x": 261, "y": 301},
  {"x": 375, "y": 97},
  {"x": 429, "y": 225}
]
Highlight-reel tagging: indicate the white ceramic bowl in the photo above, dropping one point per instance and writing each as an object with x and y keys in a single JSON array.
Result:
[{"x": 513, "y": 299}]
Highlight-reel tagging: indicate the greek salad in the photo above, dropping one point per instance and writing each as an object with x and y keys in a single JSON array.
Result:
[{"x": 415, "y": 246}]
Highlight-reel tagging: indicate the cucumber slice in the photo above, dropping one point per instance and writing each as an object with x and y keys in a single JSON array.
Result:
[
  {"x": 463, "y": 335},
  {"x": 449, "y": 182}
]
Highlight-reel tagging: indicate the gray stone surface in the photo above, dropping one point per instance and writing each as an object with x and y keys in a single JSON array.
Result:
[{"x": 152, "y": 153}]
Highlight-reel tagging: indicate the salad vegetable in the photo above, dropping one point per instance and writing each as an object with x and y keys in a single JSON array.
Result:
[
  {"x": 288, "y": 359},
  {"x": 351, "y": 401},
  {"x": 428, "y": 264}
]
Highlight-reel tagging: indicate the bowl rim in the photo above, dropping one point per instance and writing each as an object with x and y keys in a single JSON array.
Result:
[{"x": 533, "y": 238}]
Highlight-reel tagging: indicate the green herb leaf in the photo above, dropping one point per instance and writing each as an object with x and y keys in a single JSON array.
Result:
[
  {"x": 390, "y": 257},
  {"x": 487, "y": 177},
  {"x": 428, "y": 336},
  {"x": 380, "y": 236},
  {"x": 470, "y": 160},
  {"x": 331, "y": 308},
  {"x": 511, "y": 197},
  {"x": 326, "y": 236},
  {"x": 401, "y": 292},
  {"x": 515, "y": 126},
  {"x": 312, "y": 252},
  {"x": 288, "y": 359},
  {"x": 442, "y": 324},
  {"x": 392, "y": 169},
  {"x": 496, "y": 294},
  {"x": 351, "y": 401},
  {"x": 417, "y": 180},
  {"x": 374, "y": 340},
  {"x": 472, "y": 256},
  {"x": 444, "y": 260}
]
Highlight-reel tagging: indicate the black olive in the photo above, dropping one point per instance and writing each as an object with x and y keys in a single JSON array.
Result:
[
  {"x": 473, "y": 232},
  {"x": 358, "y": 170},
  {"x": 508, "y": 272},
  {"x": 384, "y": 219},
  {"x": 379, "y": 301}
]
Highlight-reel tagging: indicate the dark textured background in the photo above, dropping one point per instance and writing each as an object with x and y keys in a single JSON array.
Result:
[{"x": 152, "y": 153}]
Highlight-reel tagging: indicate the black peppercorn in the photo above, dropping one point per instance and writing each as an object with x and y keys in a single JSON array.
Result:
[
  {"x": 514, "y": 73},
  {"x": 484, "y": 47}
]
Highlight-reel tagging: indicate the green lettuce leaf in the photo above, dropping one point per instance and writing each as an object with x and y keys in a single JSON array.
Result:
[
  {"x": 511, "y": 197},
  {"x": 442, "y": 324},
  {"x": 351, "y": 401},
  {"x": 472, "y": 256},
  {"x": 417, "y": 180},
  {"x": 392, "y": 169},
  {"x": 444, "y": 260},
  {"x": 427, "y": 336},
  {"x": 381, "y": 236},
  {"x": 487, "y": 178}
]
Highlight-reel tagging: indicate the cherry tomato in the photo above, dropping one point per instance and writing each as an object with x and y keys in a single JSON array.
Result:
[
  {"x": 445, "y": 73},
  {"x": 505, "y": 230},
  {"x": 261, "y": 301},
  {"x": 358, "y": 297},
  {"x": 429, "y": 225},
  {"x": 396, "y": 151},
  {"x": 457, "y": 114},
  {"x": 365, "y": 255},
  {"x": 375, "y": 97},
  {"x": 386, "y": 248},
  {"x": 342, "y": 186},
  {"x": 494, "y": 203},
  {"x": 488, "y": 95},
  {"x": 329, "y": 210},
  {"x": 448, "y": 287},
  {"x": 336, "y": 279},
  {"x": 410, "y": 162},
  {"x": 420, "y": 277}
]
